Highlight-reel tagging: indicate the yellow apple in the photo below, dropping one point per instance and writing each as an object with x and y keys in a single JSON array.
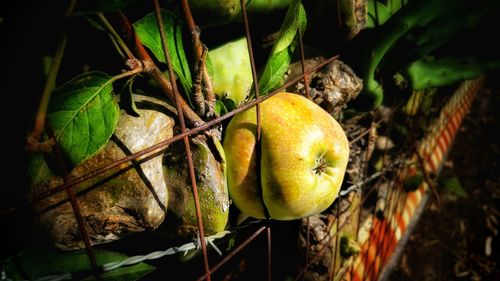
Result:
[{"x": 304, "y": 154}]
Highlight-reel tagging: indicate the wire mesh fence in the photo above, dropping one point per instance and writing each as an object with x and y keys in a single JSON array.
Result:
[{"x": 396, "y": 150}]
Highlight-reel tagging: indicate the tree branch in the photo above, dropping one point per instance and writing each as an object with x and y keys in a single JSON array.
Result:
[
  {"x": 154, "y": 72},
  {"x": 200, "y": 51}
]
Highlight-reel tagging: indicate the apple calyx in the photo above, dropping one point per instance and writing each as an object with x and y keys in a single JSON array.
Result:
[{"x": 321, "y": 166}]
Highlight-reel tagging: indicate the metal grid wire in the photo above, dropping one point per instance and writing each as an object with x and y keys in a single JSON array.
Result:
[{"x": 383, "y": 185}]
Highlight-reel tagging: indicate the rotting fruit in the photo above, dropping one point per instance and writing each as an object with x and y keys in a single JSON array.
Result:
[{"x": 117, "y": 202}]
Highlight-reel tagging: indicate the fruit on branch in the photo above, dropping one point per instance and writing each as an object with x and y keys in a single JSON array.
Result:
[
  {"x": 210, "y": 172},
  {"x": 232, "y": 73},
  {"x": 303, "y": 156},
  {"x": 119, "y": 201}
]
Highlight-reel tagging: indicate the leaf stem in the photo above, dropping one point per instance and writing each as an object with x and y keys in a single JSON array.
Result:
[
  {"x": 32, "y": 140},
  {"x": 154, "y": 72},
  {"x": 115, "y": 36},
  {"x": 131, "y": 72}
]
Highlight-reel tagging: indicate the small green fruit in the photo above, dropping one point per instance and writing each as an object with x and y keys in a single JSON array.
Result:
[{"x": 232, "y": 78}]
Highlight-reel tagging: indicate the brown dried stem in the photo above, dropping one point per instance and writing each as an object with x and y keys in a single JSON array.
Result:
[
  {"x": 199, "y": 99},
  {"x": 210, "y": 96},
  {"x": 154, "y": 72},
  {"x": 200, "y": 53}
]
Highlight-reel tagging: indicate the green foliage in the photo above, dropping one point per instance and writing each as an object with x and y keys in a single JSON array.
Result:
[
  {"x": 148, "y": 32},
  {"x": 281, "y": 54},
  {"x": 83, "y": 114},
  {"x": 413, "y": 182},
  {"x": 348, "y": 247},
  {"x": 38, "y": 263},
  {"x": 445, "y": 71},
  {"x": 380, "y": 11},
  {"x": 408, "y": 33},
  {"x": 220, "y": 108},
  {"x": 38, "y": 169},
  {"x": 453, "y": 185}
]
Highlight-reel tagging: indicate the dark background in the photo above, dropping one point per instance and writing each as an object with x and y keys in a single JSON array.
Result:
[{"x": 30, "y": 30}]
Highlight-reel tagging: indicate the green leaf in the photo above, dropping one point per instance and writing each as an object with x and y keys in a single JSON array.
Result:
[
  {"x": 453, "y": 185},
  {"x": 38, "y": 263},
  {"x": 148, "y": 33},
  {"x": 413, "y": 182},
  {"x": 281, "y": 54},
  {"x": 220, "y": 108},
  {"x": 83, "y": 114},
  {"x": 272, "y": 77},
  {"x": 38, "y": 169},
  {"x": 379, "y": 12}
]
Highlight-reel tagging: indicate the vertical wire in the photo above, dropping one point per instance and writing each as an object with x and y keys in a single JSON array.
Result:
[
  {"x": 74, "y": 204},
  {"x": 303, "y": 63},
  {"x": 185, "y": 139}
]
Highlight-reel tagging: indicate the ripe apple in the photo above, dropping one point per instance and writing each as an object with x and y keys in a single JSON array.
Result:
[{"x": 304, "y": 154}]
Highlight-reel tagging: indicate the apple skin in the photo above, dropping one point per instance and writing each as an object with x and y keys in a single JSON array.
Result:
[{"x": 304, "y": 154}]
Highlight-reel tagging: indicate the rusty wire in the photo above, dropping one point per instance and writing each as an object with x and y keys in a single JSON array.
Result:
[
  {"x": 74, "y": 203},
  {"x": 187, "y": 146},
  {"x": 157, "y": 149},
  {"x": 160, "y": 147}
]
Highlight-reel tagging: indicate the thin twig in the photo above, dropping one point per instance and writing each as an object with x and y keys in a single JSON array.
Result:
[
  {"x": 195, "y": 32},
  {"x": 115, "y": 36},
  {"x": 33, "y": 138},
  {"x": 154, "y": 72},
  {"x": 131, "y": 72}
]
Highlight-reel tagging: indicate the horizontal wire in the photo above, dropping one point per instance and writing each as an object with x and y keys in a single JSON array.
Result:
[{"x": 151, "y": 256}]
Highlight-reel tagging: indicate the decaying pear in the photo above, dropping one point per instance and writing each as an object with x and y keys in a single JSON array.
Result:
[
  {"x": 210, "y": 172},
  {"x": 117, "y": 202}
]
